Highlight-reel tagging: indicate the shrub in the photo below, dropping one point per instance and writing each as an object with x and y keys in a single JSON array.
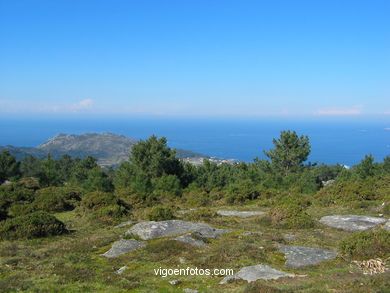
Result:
[
  {"x": 291, "y": 216},
  {"x": 21, "y": 209},
  {"x": 366, "y": 244},
  {"x": 242, "y": 192},
  {"x": 201, "y": 214},
  {"x": 351, "y": 192},
  {"x": 37, "y": 224},
  {"x": 197, "y": 198},
  {"x": 160, "y": 213},
  {"x": 103, "y": 206},
  {"x": 57, "y": 199}
]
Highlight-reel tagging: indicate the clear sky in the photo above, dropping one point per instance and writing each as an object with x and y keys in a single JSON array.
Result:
[{"x": 198, "y": 58}]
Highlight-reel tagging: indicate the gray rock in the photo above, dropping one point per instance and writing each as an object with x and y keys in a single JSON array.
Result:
[
  {"x": 151, "y": 230},
  {"x": 299, "y": 256},
  {"x": 123, "y": 246},
  {"x": 182, "y": 212},
  {"x": 253, "y": 234},
  {"x": 387, "y": 226},
  {"x": 192, "y": 241},
  {"x": 124, "y": 224},
  {"x": 352, "y": 222},
  {"x": 241, "y": 214},
  {"x": 328, "y": 183},
  {"x": 288, "y": 236},
  {"x": 121, "y": 270},
  {"x": 256, "y": 272},
  {"x": 182, "y": 260},
  {"x": 175, "y": 282},
  {"x": 186, "y": 290}
]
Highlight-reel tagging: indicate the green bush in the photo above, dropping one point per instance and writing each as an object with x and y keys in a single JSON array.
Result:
[
  {"x": 103, "y": 206},
  {"x": 160, "y": 213},
  {"x": 57, "y": 199},
  {"x": 366, "y": 244},
  {"x": 37, "y": 224},
  {"x": 291, "y": 216},
  {"x": 202, "y": 214},
  {"x": 21, "y": 209},
  {"x": 197, "y": 198},
  {"x": 242, "y": 192},
  {"x": 351, "y": 192}
]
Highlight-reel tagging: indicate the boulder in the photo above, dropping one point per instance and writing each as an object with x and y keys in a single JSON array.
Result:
[
  {"x": 187, "y": 290},
  {"x": 183, "y": 212},
  {"x": 151, "y": 229},
  {"x": 387, "y": 226},
  {"x": 256, "y": 272},
  {"x": 124, "y": 224},
  {"x": 299, "y": 256},
  {"x": 123, "y": 246},
  {"x": 289, "y": 236},
  {"x": 241, "y": 214},
  {"x": 187, "y": 238},
  {"x": 121, "y": 270},
  {"x": 352, "y": 222},
  {"x": 253, "y": 234}
]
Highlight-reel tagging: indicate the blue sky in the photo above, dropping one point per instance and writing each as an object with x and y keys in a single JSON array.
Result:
[{"x": 195, "y": 58}]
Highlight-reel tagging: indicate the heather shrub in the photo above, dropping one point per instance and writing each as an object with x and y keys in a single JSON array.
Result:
[
  {"x": 103, "y": 206},
  {"x": 57, "y": 199},
  {"x": 160, "y": 213},
  {"x": 291, "y": 216},
  {"x": 201, "y": 214},
  {"x": 37, "y": 224},
  {"x": 366, "y": 244}
]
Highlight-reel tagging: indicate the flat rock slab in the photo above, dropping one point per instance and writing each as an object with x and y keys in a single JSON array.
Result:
[
  {"x": 352, "y": 222},
  {"x": 253, "y": 234},
  {"x": 190, "y": 240},
  {"x": 123, "y": 246},
  {"x": 387, "y": 226},
  {"x": 289, "y": 236},
  {"x": 182, "y": 212},
  {"x": 124, "y": 224},
  {"x": 299, "y": 256},
  {"x": 151, "y": 229},
  {"x": 256, "y": 272},
  {"x": 241, "y": 214}
]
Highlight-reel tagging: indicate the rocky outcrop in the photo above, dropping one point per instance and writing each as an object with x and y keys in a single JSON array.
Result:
[
  {"x": 151, "y": 229},
  {"x": 123, "y": 246},
  {"x": 299, "y": 256},
  {"x": 256, "y": 272},
  {"x": 190, "y": 240},
  {"x": 352, "y": 222},
  {"x": 240, "y": 214}
]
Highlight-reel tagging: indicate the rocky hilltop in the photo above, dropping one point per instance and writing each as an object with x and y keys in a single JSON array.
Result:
[{"x": 110, "y": 149}]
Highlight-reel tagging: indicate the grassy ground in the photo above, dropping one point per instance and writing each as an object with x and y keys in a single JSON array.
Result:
[{"x": 73, "y": 262}]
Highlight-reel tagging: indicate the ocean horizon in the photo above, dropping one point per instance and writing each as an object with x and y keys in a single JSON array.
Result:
[{"x": 338, "y": 142}]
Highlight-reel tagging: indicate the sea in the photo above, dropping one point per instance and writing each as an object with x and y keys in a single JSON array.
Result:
[{"x": 332, "y": 142}]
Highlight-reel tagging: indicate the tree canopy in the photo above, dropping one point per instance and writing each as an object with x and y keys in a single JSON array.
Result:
[{"x": 289, "y": 153}]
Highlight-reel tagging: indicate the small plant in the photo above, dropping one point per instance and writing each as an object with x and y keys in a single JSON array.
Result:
[
  {"x": 57, "y": 199},
  {"x": 291, "y": 216},
  {"x": 366, "y": 244},
  {"x": 103, "y": 206},
  {"x": 200, "y": 214},
  {"x": 37, "y": 224},
  {"x": 160, "y": 213}
]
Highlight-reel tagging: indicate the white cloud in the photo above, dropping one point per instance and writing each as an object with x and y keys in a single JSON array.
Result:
[
  {"x": 355, "y": 110},
  {"x": 82, "y": 105}
]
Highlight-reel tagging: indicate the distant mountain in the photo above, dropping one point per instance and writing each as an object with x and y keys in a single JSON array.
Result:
[{"x": 110, "y": 149}]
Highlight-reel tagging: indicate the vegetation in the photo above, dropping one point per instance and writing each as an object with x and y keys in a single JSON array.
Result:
[
  {"x": 36, "y": 224},
  {"x": 366, "y": 244},
  {"x": 49, "y": 196}
]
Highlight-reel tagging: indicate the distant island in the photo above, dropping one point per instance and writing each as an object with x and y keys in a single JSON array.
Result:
[{"x": 108, "y": 148}]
